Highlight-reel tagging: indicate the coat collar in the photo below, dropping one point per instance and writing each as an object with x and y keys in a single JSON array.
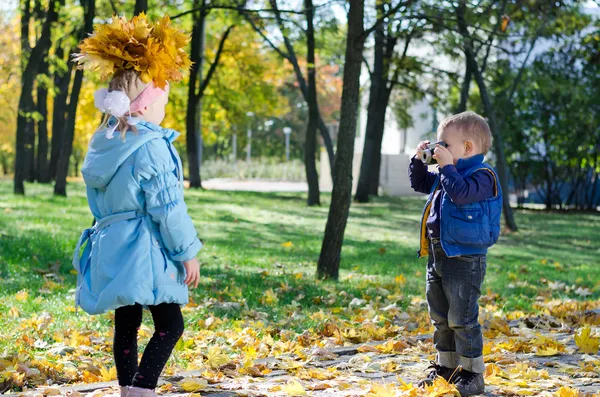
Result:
[
  {"x": 466, "y": 163},
  {"x": 169, "y": 133}
]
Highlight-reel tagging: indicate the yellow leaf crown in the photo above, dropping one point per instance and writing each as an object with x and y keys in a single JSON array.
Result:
[{"x": 154, "y": 50}]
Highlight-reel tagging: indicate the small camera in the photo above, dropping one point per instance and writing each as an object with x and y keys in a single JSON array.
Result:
[{"x": 426, "y": 155}]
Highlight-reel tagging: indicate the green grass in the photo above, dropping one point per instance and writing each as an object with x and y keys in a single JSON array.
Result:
[{"x": 243, "y": 257}]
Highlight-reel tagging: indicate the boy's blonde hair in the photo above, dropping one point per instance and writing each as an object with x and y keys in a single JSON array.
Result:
[
  {"x": 130, "y": 83},
  {"x": 473, "y": 127}
]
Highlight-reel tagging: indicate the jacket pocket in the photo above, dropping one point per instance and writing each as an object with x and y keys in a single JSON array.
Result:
[{"x": 465, "y": 225}]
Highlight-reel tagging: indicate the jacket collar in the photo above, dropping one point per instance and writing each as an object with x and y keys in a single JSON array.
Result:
[
  {"x": 170, "y": 134},
  {"x": 466, "y": 163}
]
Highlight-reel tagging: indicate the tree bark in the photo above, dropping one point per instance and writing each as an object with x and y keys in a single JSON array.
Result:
[
  {"x": 25, "y": 19},
  {"x": 61, "y": 84},
  {"x": 341, "y": 198},
  {"x": 312, "y": 177},
  {"x": 60, "y": 187},
  {"x": 380, "y": 90},
  {"x": 43, "y": 174},
  {"x": 140, "y": 6},
  {"x": 25, "y": 130},
  {"x": 466, "y": 86},
  {"x": 193, "y": 136}
]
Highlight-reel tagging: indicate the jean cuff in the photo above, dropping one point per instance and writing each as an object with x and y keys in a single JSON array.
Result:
[
  {"x": 447, "y": 359},
  {"x": 474, "y": 364}
]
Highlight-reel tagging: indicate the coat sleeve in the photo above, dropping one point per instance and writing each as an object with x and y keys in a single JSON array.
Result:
[
  {"x": 156, "y": 170},
  {"x": 421, "y": 180}
]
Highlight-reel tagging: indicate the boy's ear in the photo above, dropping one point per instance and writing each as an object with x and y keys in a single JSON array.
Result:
[{"x": 469, "y": 146}]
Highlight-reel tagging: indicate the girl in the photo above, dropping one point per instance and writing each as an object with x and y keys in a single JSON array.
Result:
[{"x": 141, "y": 250}]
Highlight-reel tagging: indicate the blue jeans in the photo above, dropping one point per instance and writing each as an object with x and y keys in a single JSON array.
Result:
[{"x": 453, "y": 289}]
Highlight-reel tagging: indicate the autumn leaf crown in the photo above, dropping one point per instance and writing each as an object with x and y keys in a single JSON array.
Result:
[{"x": 154, "y": 50}]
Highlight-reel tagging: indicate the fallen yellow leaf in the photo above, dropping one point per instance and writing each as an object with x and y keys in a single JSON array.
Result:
[
  {"x": 192, "y": 385},
  {"x": 586, "y": 342},
  {"x": 294, "y": 388}
]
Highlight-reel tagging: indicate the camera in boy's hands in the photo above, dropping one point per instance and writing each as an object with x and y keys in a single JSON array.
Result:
[{"x": 426, "y": 153}]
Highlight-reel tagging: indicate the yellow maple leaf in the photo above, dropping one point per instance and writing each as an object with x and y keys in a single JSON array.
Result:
[
  {"x": 215, "y": 357},
  {"x": 294, "y": 388},
  {"x": 108, "y": 375},
  {"x": 378, "y": 390},
  {"x": 546, "y": 352},
  {"x": 586, "y": 342},
  {"x": 566, "y": 391},
  {"x": 441, "y": 388},
  {"x": 192, "y": 385}
]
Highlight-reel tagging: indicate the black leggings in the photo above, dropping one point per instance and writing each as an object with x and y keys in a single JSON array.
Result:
[{"x": 168, "y": 327}]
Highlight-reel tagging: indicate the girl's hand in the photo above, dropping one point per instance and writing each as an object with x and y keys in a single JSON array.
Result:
[{"x": 192, "y": 268}]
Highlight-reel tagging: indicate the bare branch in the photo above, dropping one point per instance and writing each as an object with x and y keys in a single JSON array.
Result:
[
  {"x": 258, "y": 30},
  {"x": 366, "y": 62},
  {"x": 215, "y": 63},
  {"x": 379, "y": 21}
]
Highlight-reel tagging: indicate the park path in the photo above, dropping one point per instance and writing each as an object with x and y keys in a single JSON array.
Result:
[
  {"x": 254, "y": 185},
  {"x": 359, "y": 368}
]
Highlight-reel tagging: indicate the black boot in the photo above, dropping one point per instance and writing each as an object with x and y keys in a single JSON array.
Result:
[
  {"x": 469, "y": 383},
  {"x": 436, "y": 370}
]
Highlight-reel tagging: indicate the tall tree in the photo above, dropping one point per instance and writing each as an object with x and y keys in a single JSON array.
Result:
[
  {"x": 62, "y": 79},
  {"x": 383, "y": 78},
  {"x": 341, "y": 197},
  {"x": 289, "y": 54},
  {"x": 312, "y": 177},
  {"x": 25, "y": 126},
  {"x": 43, "y": 174},
  {"x": 60, "y": 187},
  {"x": 197, "y": 85}
]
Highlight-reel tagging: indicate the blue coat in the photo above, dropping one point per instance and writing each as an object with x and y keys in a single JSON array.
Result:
[
  {"x": 142, "y": 233},
  {"x": 465, "y": 228}
]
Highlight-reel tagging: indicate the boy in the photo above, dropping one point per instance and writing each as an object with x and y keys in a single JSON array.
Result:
[{"x": 460, "y": 222}]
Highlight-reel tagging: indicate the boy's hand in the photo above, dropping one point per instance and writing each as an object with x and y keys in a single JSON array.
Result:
[
  {"x": 443, "y": 156},
  {"x": 192, "y": 268},
  {"x": 421, "y": 146}
]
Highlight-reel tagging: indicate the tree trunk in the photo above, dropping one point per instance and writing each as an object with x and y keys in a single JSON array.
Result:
[
  {"x": 43, "y": 174},
  {"x": 193, "y": 114},
  {"x": 341, "y": 197},
  {"x": 25, "y": 130},
  {"x": 312, "y": 177},
  {"x": 466, "y": 86},
  {"x": 498, "y": 141},
  {"x": 61, "y": 84},
  {"x": 379, "y": 95},
  {"x": 498, "y": 144},
  {"x": 60, "y": 187},
  {"x": 25, "y": 46},
  {"x": 377, "y": 80},
  {"x": 140, "y": 6}
]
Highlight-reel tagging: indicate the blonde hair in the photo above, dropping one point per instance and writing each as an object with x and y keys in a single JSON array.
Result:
[
  {"x": 472, "y": 126},
  {"x": 130, "y": 83}
]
